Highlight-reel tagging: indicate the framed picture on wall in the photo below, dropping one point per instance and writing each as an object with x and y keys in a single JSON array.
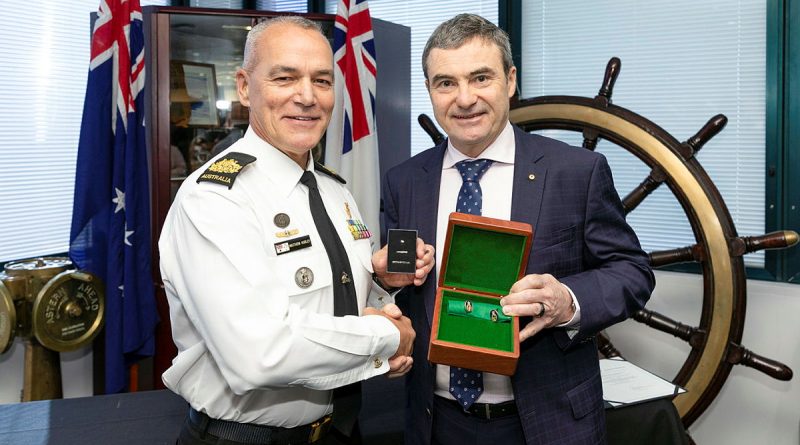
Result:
[{"x": 194, "y": 89}]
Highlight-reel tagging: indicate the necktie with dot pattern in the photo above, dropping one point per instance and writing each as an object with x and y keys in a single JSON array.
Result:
[{"x": 466, "y": 385}]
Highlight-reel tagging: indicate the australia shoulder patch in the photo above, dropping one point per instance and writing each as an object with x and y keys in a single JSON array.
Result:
[
  {"x": 224, "y": 170},
  {"x": 322, "y": 169}
]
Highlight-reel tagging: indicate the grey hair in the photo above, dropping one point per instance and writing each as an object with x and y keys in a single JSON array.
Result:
[
  {"x": 461, "y": 29},
  {"x": 251, "y": 56}
]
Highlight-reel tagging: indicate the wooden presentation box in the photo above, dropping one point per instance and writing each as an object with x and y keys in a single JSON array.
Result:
[{"x": 483, "y": 257}]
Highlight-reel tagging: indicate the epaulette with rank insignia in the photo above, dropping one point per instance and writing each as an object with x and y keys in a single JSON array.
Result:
[
  {"x": 225, "y": 169},
  {"x": 322, "y": 169}
]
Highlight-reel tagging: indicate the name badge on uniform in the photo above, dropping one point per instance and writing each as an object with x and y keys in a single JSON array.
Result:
[
  {"x": 357, "y": 228},
  {"x": 292, "y": 245}
]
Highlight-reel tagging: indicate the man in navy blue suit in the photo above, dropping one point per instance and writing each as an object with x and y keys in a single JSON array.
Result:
[{"x": 586, "y": 269}]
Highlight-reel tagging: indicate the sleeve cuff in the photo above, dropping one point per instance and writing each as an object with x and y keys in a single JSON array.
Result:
[
  {"x": 375, "y": 355},
  {"x": 574, "y": 324},
  {"x": 380, "y": 296}
]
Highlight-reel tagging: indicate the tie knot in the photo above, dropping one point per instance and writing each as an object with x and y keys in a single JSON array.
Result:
[
  {"x": 472, "y": 170},
  {"x": 308, "y": 179}
]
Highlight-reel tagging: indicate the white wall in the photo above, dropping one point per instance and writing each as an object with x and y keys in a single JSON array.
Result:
[
  {"x": 751, "y": 408},
  {"x": 76, "y": 372}
]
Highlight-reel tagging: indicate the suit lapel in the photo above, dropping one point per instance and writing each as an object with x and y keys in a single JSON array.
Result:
[
  {"x": 529, "y": 179},
  {"x": 426, "y": 202}
]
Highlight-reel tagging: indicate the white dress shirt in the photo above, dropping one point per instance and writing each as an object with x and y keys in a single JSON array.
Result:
[
  {"x": 254, "y": 345},
  {"x": 496, "y": 187}
]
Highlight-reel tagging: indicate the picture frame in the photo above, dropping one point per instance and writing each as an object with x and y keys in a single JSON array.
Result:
[{"x": 197, "y": 87}]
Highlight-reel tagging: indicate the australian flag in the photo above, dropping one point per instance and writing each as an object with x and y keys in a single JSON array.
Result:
[
  {"x": 110, "y": 233},
  {"x": 351, "y": 146}
]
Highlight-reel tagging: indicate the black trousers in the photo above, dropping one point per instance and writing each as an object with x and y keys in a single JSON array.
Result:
[
  {"x": 452, "y": 426},
  {"x": 191, "y": 435}
]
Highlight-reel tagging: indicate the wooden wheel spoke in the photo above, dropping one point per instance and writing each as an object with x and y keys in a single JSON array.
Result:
[
  {"x": 603, "y": 99},
  {"x": 680, "y": 255},
  {"x": 648, "y": 186},
  {"x": 773, "y": 240},
  {"x": 738, "y": 247},
  {"x": 692, "y": 145},
  {"x": 605, "y": 347},
  {"x": 656, "y": 177},
  {"x": 613, "y": 67},
  {"x": 694, "y": 336},
  {"x": 739, "y": 355},
  {"x": 590, "y": 139}
]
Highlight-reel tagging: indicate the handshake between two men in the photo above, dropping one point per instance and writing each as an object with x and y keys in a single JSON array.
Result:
[{"x": 542, "y": 297}]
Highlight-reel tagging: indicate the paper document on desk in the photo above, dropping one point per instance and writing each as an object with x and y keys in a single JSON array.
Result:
[{"x": 625, "y": 383}]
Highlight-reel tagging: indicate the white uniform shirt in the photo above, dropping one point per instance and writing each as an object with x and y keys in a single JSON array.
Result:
[{"x": 253, "y": 345}]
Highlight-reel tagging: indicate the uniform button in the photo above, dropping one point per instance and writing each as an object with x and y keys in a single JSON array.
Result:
[{"x": 377, "y": 363}]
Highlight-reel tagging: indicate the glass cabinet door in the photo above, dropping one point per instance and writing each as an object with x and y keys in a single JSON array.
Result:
[{"x": 194, "y": 109}]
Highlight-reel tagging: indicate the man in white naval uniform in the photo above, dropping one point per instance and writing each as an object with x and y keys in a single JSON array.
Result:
[{"x": 251, "y": 282}]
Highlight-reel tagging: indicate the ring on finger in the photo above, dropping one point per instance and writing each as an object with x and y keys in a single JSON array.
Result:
[{"x": 542, "y": 309}]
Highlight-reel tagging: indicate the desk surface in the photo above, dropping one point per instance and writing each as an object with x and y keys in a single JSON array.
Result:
[
  {"x": 149, "y": 417},
  {"x": 155, "y": 417}
]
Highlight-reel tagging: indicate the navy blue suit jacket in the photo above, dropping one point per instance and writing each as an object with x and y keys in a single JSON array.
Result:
[{"x": 580, "y": 237}]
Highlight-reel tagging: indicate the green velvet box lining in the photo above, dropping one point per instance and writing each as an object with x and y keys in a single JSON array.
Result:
[
  {"x": 483, "y": 260},
  {"x": 471, "y": 331}
]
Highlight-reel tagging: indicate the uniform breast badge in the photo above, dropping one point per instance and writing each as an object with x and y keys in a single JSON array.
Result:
[
  {"x": 304, "y": 277},
  {"x": 356, "y": 227},
  {"x": 281, "y": 220}
]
